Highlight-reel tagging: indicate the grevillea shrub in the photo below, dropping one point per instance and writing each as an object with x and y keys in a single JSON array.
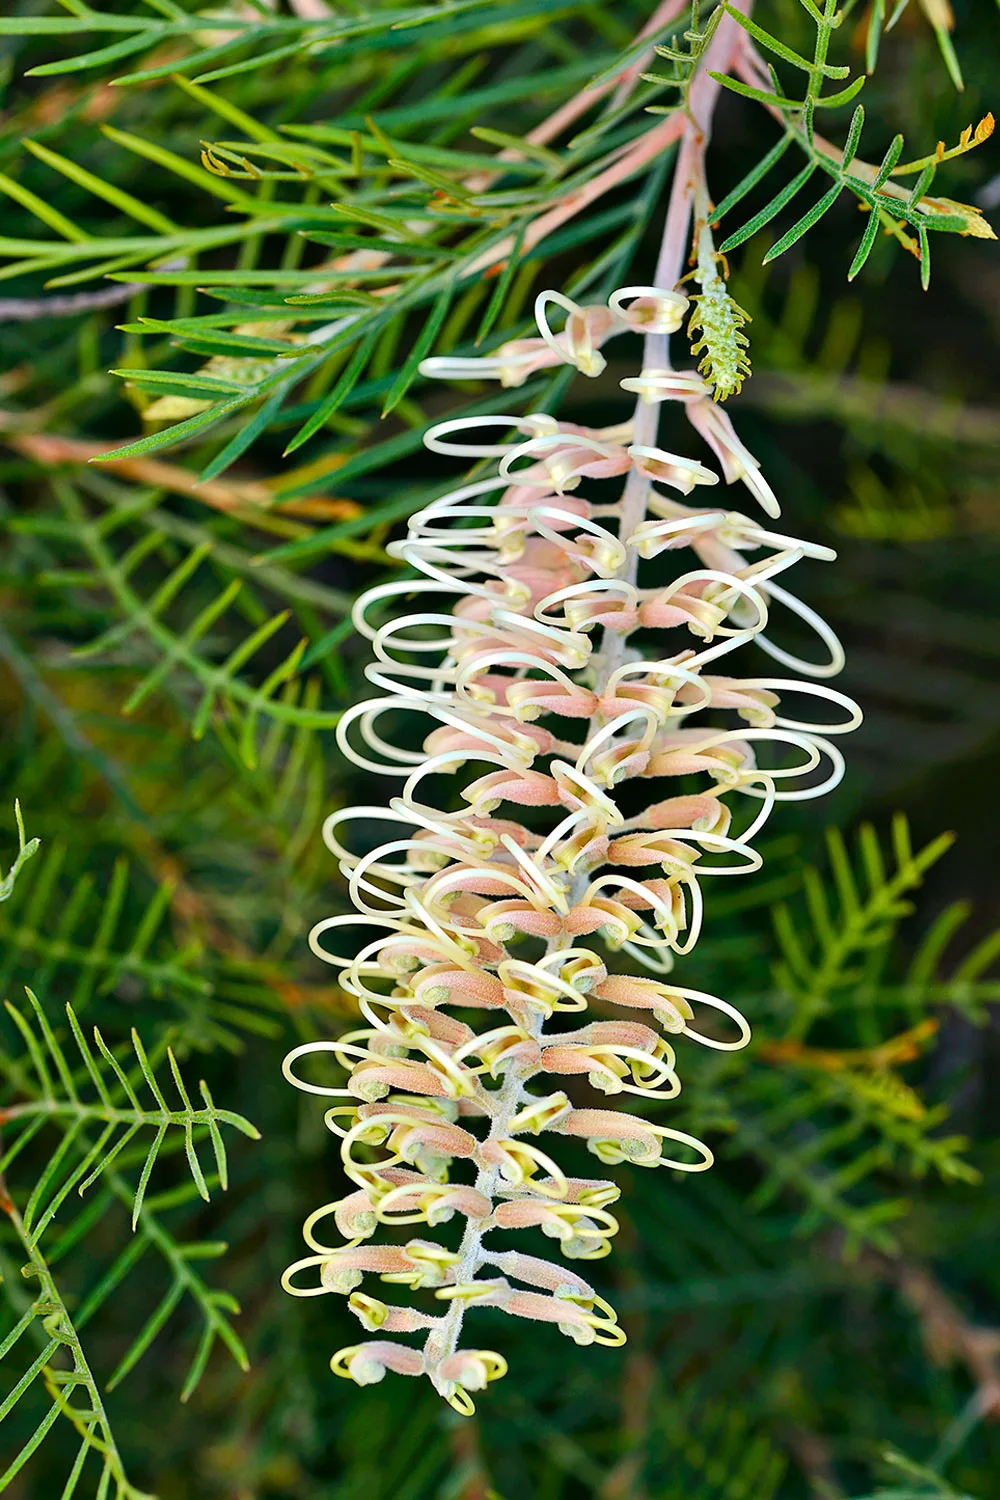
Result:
[
  {"x": 251, "y": 253},
  {"x": 520, "y": 927}
]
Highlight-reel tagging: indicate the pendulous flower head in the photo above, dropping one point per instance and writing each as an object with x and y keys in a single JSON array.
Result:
[{"x": 512, "y": 944}]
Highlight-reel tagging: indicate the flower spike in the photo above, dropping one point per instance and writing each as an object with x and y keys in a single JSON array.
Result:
[{"x": 450, "y": 1093}]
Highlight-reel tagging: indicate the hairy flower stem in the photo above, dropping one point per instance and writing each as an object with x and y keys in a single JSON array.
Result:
[
  {"x": 443, "y": 1340},
  {"x": 645, "y": 423}
]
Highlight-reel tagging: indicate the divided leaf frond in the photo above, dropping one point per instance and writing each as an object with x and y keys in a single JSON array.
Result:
[
  {"x": 61, "y": 1371},
  {"x": 51, "y": 931},
  {"x": 189, "y": 588},
  {"x": 101, "y": 1088},
  {"x": 91, "y": 1095},
  {"x": 843, "y": 944},
  {"x": 830, "y": 1123}
]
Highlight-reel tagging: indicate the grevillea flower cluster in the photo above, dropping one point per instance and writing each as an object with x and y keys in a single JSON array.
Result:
[{"x": 541, "y": 859}]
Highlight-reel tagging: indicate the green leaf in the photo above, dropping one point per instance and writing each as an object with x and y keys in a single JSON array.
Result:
[
  {"x": 437, "y": 181},
  {"x": 921, "y": 185},
  {"x": 333, "y": 401},
  {"x": 69, "y": 26},
  {"x": 876, "y": 25},
  {"x": 772, "y": 44},
  {"x": 834, "y": 101},
  {"x": 865, "y": 248},
  {"x": 503, "y": 286},
  {"x": 176, "y": 383},
  {"x": 853, "y": 138},
  {"x": 25, "y": 850},
  {"x": 262, "y": 418},
  {"x": 250, "y": 37},
  {"x": 42, "y": 210},
  {"x": 889, "y": 160},
  {"x": 114, "y": 195},
  {"x": 247, "y": 64},
  {"x": 380, "y": 221},
  {"x": 541, "y": 154},
  {"x": 389, "y": 247},
  {"x": 951, "y": 61},
  {"x": 925, "y": 257},
  {"x": 747, "y": 91},
  {"x": 144, "y": 1338},
  {"x": 95, "y": 59},
  {"x": 423, "y": 342},
  {"x": 771, "y": 210},
  {"x": 172, "y": 435},
  {"x": 803, "y": 225}
]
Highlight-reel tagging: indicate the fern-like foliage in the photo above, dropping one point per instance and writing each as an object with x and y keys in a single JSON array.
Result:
[
  {"x": 715, "y": 1453},
  {"x": 891, "y": 207},
  {"x": 369, "y": 203},
  {"x": 831, "y": 1116},
  {"x": 60, "y": 1368},
  {"x": 53, "y": 931},
  {"x": 71, "y": 938},
  {"x": 836, "y": 949},
  {"x": 182, "y": 648},
  {"x": 89, "y": 1096},
  {"x": 410, "y": 203},
  {"x": 114, "y": 1108},
  {"x": 25, "y": 849}
]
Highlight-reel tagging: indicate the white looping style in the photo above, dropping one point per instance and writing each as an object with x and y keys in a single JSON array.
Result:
[
  {"x": 650, "y": 309},
  {"x": 535, "y": 425},
  {"x": 655, "y": 385},
  {"x": 518, "y": 882},
  {"x": 577, "y": 346}
]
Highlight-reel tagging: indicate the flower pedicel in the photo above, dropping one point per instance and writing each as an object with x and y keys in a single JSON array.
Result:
[{"x": 486, "y": 933}]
